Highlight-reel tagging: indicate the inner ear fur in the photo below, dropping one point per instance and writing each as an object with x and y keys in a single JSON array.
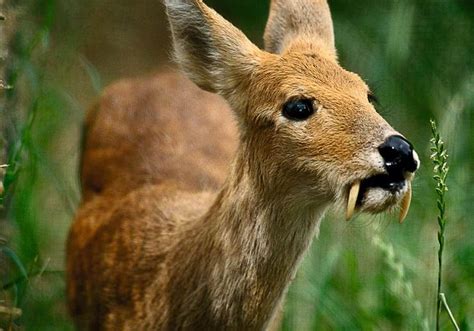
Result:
[
  {"x": 300, "y": 23},
  {"x": 211, "y": 51}
]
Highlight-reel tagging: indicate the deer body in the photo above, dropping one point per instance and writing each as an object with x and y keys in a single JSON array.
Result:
[{"x": 164, "y": 239}]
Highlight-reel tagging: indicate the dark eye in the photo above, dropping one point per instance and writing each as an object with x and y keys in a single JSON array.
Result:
[
  {"x": 372, "y": 98},
  {"x": 298, "y": 110}
]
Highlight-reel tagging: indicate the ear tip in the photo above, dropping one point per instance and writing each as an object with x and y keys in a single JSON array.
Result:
[{"x": 291, "y": 21}]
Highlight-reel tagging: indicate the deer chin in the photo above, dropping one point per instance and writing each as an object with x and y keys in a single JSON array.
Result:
[{"x": 380, "y": 193}]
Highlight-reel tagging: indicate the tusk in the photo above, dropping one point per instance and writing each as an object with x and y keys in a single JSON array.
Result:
[
  {"x": 405, "y": 204},
  {"x": 352, "y": 200}
]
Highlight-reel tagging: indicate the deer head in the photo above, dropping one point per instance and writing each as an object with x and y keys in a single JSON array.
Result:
[{"x": 308, "y": 128}]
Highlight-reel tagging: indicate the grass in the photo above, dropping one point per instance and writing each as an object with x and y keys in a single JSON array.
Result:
[
  {"x": 31, "y": 295},
  {"x": 372, "y": 274},
  {"x": 441, "y": 169}
]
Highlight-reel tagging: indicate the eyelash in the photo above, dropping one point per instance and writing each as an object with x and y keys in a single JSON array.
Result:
[{"x": 372, "y": 98}]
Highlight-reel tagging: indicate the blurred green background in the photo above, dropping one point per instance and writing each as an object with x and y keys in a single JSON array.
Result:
[{"x": 371, "y": 274}]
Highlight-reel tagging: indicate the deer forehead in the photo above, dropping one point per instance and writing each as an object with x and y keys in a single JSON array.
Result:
[{"x": 311, "y": 76}]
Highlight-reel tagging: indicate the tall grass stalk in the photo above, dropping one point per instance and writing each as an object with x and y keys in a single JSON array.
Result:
[{"x": 439, "y": 157}]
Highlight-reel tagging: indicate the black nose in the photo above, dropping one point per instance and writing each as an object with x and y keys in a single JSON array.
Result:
[{"x": 397, "y": 153}]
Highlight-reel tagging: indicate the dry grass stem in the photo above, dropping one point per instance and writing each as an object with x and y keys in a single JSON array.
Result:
[{"x": 12, "y": 312}]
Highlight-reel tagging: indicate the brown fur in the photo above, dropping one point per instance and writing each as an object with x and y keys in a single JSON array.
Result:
[
  {"x": 156, "y": 244},
  {"x": 133, "y": 117}
]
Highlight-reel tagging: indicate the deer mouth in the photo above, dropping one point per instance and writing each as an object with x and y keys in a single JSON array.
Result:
[
  {"x": 378, "y": 193},
  {"x": 391, "y": 183}
]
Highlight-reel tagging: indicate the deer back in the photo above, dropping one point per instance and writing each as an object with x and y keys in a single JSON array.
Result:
[{"x": 156, "y": 129}]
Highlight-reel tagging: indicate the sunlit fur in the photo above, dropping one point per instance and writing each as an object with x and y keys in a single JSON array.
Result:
[{"x": 162, "y": 241}]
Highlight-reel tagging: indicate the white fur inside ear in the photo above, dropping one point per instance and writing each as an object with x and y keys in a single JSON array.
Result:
[{"x": 211, "y": 51}]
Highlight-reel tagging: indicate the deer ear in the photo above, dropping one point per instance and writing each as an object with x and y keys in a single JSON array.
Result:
[
  {"x": 215, "y": 55},
  {"x": 295, "y": 22}
]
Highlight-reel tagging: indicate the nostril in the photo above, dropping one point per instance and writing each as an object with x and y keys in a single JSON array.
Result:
[{"x": 398, "y": 156}]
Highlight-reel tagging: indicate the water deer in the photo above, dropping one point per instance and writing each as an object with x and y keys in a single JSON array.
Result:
[{"x": 197, "y": 211}]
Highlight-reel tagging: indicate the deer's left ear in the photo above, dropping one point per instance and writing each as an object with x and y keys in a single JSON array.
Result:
[
  {"x": 300, "y": 23},
  {"x": 216, "y": 55}
]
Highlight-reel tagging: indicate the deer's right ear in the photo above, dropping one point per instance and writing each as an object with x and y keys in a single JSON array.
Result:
[
  {"x": 300, "y": 22},
  {"x": 212, "y": 52}
]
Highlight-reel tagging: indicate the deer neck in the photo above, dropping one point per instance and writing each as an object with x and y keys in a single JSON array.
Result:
[{"x": 250, "y": 242}]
